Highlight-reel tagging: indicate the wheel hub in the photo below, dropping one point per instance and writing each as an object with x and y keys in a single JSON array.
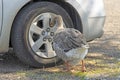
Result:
[
  {"x": 47, "y": 35},
  {"x": 41, "y": 35}
]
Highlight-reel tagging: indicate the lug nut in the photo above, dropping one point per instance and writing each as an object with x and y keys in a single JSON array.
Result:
[
  {"x": 43, "y": 33},
  {"x": 50, "y": 40},
  {"x": 44, "y": 39},
  {"x": 52, "y": 33},
  {"x": 48, "y": 29}
]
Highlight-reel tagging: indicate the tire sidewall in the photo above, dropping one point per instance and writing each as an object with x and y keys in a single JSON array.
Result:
[{"x": 28, "y": 14}]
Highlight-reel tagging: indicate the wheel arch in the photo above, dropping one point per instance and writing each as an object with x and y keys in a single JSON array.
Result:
[
  {"x": 73, "y": 14},
  {"x": 71, "y": 11}
]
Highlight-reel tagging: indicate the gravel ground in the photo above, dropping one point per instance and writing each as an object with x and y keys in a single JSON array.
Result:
[{"x": 102, "y": 62}]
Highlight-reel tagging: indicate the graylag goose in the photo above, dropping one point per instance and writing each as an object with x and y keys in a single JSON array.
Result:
[{"x": 69, "y": 44}]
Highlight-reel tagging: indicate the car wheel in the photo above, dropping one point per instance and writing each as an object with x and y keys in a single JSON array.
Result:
[{"x": 29, "y": 31}]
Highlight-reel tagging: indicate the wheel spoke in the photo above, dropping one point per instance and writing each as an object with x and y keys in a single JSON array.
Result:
[
  {"x": 35, "y": 29},
  {"x": 49, "y": 49},
  {"x": 30, "y": 39},
  {"x": 37, "y": 44},
  {"x": 46, "y": 20},
  {"x": 38, "y": 18}
]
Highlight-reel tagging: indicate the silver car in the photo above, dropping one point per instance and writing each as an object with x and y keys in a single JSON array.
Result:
[{"x": 24, "y": 25}]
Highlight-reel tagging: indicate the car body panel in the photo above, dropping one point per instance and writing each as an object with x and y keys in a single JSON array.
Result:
[
  {"x": 0, "y": 15},
  {"x": 10, "y": 9},
  {"x": 91, "y": 12},
  {"x": 92, "y": 16},
  {"x": 93, "y": 8},
  {"x": 96, "y": 25}
]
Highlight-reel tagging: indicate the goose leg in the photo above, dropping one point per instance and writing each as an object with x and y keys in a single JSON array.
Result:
[
  {"x": 83, "y": 66},
  {"x": 67, "y": 65}
]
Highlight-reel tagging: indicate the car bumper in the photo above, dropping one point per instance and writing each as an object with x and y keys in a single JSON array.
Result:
[{"x": 95, "y": 27}]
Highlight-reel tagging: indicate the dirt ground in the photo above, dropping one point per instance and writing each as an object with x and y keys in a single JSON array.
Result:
[{"x": 102, "y": 62}]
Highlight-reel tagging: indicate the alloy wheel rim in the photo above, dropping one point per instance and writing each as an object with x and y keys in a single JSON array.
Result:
[{"x": 41, "y": 35}]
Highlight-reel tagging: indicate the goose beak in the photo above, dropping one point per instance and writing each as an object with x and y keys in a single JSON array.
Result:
[{"x": 86, "y": 46}]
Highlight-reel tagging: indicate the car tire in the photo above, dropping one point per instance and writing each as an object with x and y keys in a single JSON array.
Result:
[{"x": 20, "y": 36}]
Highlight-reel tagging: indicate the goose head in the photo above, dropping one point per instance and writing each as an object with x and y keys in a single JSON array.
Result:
[{"x": 57, "y": 21}]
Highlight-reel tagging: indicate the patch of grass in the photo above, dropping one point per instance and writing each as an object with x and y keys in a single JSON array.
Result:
[
  {"x": 80, "y": 74},
  {"x": 101, "y": 66}
]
